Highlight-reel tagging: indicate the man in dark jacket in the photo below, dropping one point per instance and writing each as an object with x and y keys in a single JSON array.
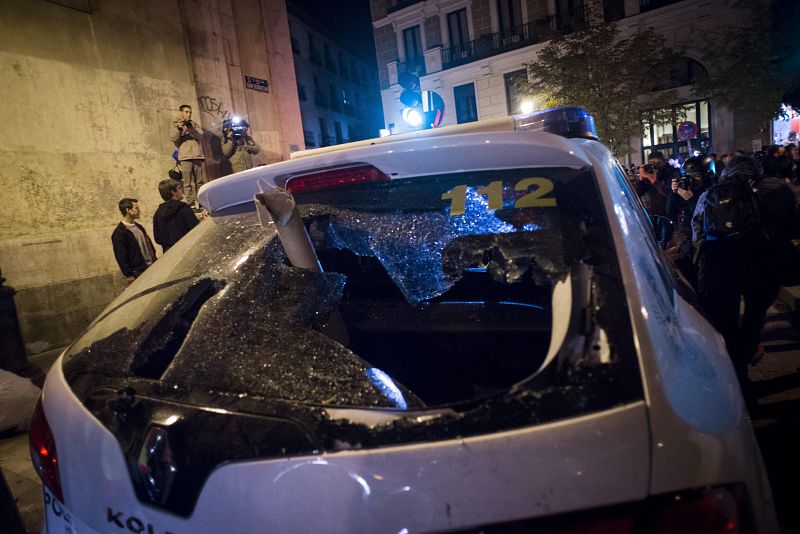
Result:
[
  {"x": 132, "y": 246},
  {"x": 681, "y": 204},
  {"x": 653, "y": 187},
  {"x": 173, "y": 218},
  {"x": 738, "y": 266},
  {"x": 654, "y": 184}
]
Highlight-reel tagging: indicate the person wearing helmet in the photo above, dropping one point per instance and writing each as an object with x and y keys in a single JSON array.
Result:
[
  {"x": 736, "y": 261},
  {"x": 698, "y": 175}
]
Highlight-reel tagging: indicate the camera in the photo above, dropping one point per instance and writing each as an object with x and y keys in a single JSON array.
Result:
[
  {"x": 187, "y": 124},
  {"x": 685, "y": 182},
  {"x": 237, "y": 132},
  {"x": 649, "y": 168},
  {"x": 236, "y": 128}
]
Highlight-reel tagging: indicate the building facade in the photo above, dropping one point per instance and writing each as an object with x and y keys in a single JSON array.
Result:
[
  {"x": 472, "y": 51},
  {"x": 93, "y": 89},
  {"x": 337, "y": 88}
]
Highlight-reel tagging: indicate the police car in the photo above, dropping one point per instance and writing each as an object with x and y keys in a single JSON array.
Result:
[{"x": 462, "y": 329}]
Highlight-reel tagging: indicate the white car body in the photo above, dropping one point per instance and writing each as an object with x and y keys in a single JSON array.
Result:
[{"x": 689, "y": 430}]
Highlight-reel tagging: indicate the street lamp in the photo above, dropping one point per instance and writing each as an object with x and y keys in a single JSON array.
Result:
[
  {"x": 526, "y": 106},
  {"x": 413, "y": 117}
]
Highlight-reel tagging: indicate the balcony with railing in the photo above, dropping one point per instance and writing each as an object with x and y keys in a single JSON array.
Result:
[
  {"x": 496, "y": 43},
  {"x": 413, "y": 65},
  {"x": 344, "y": 72},
  {"x": 397, "y": 5},
  {"x": 504, "y": 41}
]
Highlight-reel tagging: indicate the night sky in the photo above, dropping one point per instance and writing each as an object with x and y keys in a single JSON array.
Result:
[{"x": 344, "y": 17}]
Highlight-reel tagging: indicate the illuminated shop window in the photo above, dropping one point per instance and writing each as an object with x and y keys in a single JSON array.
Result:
[
  {"x": 786, "y": 127},
  {"x": 665, "y": 137}
]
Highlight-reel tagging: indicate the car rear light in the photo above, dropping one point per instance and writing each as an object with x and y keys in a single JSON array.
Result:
[
  {"x": 335, "y": 178},
  {"x": 710, "y": 511},
  {"x": 714, "y": 511},
  {"x": 717, "y": 510},
  {"x": 43, "y": 451}
]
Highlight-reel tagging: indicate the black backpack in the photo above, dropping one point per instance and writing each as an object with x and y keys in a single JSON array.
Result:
[{"x": 731, "y": 211}]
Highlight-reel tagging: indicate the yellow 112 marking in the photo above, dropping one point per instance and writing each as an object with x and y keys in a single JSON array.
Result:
[{"x": 494, "y": 195}]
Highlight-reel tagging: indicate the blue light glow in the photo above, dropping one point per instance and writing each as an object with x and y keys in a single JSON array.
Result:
[
  {"x": 569, "y": 121},
  {"x": 523, "y": 304},
  {"x": 483, "y": 303},
  {"x": 386, "y": 385}
]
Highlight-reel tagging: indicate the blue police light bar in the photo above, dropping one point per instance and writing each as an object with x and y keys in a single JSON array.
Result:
[{"x": 566, "y": 121}]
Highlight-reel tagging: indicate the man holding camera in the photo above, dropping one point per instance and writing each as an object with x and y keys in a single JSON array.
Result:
[
  {"x": 653, "y": 186},
  {"x": 237, "y": 145},
  {"x": 686, "y": 191},
  {"x": 681, "y": 203},
  {"x": 188, "y": 137}
]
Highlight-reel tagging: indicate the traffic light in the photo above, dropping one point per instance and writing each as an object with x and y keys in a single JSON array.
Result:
[
  {"x": 411, "y": 97},
  {"x": 433, "y": 108},
  {"x": 423, "y": 109}
]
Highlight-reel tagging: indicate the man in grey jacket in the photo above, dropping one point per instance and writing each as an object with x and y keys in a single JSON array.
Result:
[{"x": 188, "y": 137}]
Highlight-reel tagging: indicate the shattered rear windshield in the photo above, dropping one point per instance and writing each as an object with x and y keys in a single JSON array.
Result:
[{"x": 435, "y": 291}]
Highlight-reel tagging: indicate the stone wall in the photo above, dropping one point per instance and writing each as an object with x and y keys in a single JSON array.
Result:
[{"x": 89, "y": 100}]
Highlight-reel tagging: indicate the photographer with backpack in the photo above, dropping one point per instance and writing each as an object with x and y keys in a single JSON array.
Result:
[{"x": 737, "y": 259}]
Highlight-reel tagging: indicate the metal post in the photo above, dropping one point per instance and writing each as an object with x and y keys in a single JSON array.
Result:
[{"x": 12, "y": 349}]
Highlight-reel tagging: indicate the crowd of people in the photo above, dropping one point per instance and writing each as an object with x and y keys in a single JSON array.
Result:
[
  {"x": 133, "y": 248},
  {"x": 727, "y": 224}
]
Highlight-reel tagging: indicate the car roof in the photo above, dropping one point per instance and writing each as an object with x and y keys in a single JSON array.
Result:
[{"x": 512, "y": 142}]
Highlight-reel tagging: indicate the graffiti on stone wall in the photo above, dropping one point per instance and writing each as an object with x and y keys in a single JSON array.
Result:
[
  {"x": 214, "y": 163},
  {"x": 214, "y": 107}
]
